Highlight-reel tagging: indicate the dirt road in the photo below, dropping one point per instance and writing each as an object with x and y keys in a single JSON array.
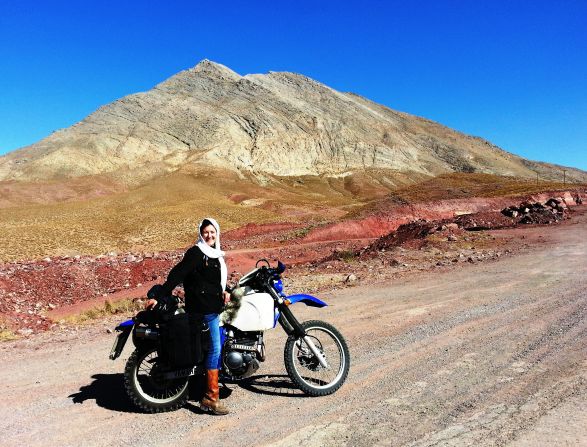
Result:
[{"x": 486, "y": 354}]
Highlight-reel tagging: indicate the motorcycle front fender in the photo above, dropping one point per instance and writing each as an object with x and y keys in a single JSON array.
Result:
[{"x": 308, "y": 300}]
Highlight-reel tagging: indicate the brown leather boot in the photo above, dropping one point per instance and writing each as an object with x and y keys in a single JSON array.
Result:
[{"x": 211, "y": 400}]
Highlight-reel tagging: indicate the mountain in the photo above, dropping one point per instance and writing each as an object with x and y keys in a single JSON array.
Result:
[{"x": 258, "y": 126}]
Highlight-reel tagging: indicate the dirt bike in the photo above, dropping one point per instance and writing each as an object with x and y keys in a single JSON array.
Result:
[{"x": 170, "y": 345}]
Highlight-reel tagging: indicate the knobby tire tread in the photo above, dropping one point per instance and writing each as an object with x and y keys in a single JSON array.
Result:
[
  {"x": 137, "y": 399},
  {"x": 292, "y": 371}
]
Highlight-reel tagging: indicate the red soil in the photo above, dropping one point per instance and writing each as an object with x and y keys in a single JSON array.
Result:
[
  {"x": 35, "y": 294},
  {"x": 389, "y": 220},
  {"x": 253, "y": 229}
]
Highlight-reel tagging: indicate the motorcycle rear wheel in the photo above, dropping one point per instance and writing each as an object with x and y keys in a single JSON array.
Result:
[
  {"x": 303, "y": 367},
  {"x": 146, "y": 389}
]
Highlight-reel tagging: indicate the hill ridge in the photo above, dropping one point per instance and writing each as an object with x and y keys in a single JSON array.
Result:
[{"x": 279, "y": 123}]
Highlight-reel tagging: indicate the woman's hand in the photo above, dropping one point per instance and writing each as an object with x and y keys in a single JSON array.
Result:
[
  {"x": 226, "y": 297},
  {"x": 151, "y": 304}
]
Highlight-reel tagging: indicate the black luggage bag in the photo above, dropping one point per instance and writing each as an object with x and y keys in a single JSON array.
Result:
[{"x": 181, "y": 339}]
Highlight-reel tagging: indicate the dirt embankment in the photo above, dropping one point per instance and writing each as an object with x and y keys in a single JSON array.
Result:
[{"x": 384, "y": 222}]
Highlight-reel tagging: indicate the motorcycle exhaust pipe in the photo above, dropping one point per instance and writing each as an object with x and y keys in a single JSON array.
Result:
[{"x": 148, "y": 333}]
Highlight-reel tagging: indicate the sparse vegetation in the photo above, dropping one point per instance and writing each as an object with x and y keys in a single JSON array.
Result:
[
  {"x": 5, "y": 333},
  {"x": 127, "y": 306},
  {"x": 298, "y": 233},
  {"x": 163, "y": 215},
  {"x": 347, "y": 256},
  {"x": 459, "y": 185}
]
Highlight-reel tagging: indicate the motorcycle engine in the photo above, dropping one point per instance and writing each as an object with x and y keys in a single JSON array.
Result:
[{"x": 242, "y": 355}]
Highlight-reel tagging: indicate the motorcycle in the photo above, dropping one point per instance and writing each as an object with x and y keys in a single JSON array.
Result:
[{"x": 157, "y": 373}]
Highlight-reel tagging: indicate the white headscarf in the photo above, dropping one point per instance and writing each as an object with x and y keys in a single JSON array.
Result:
[{"x": 213, "y": 252}]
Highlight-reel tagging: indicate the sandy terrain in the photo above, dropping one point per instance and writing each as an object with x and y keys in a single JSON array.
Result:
[{"x": 485, "y": 354}]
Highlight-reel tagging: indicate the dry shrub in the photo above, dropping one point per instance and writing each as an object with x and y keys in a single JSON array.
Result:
[
  {"x": 126, "y": 306},
  {"x": 6, "y": 333}
]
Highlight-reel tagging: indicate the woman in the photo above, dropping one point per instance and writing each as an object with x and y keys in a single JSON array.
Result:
[{"x": 203, "y": 274}]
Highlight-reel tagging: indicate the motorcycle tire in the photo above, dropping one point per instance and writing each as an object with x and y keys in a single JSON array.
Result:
[
  {"x": 148, "y": 392},
  {"x": 303, "y": 367}
]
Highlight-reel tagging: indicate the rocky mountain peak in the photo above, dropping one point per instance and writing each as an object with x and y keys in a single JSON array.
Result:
[
  {"x": 203, "y": 73},
  {"x": 280, "y": 123},
  {"x": 211, "y": 68}
]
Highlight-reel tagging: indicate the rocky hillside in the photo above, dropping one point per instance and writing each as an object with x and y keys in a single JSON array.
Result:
[{"x": 259, "y": 125}]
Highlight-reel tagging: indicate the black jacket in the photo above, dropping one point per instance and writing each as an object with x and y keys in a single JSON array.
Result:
[{"x": 200, "y": 276}]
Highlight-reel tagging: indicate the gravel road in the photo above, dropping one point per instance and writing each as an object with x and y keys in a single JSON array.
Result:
[{"x": 485, "y": 354}]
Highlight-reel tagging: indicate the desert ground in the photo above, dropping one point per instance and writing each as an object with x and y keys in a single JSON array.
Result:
[{"x": 466, "y": 353}]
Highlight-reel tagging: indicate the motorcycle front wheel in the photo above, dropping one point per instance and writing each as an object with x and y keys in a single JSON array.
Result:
[
  {"x": 146, "y": 386},
  {"x": 304, "y": 368}
]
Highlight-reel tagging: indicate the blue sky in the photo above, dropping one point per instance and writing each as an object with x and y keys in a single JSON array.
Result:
[{"x": 513, "y": 72}]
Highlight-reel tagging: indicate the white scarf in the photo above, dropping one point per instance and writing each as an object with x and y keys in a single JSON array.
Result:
[{"x": 213, "y": 252}]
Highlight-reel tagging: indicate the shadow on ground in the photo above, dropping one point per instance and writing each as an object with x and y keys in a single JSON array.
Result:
[
  {"x": 271, "y": 384},
  {"x": 109, "y": 393}
]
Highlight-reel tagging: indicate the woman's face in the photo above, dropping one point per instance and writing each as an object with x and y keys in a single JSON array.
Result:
[{"x": 209, "y": 235}]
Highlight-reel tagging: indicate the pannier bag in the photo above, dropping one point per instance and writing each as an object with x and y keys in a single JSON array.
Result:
[{"x": 181, "y": 339}]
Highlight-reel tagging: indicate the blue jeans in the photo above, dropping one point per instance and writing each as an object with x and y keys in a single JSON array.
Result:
[{"x": 213, "y": 357}]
